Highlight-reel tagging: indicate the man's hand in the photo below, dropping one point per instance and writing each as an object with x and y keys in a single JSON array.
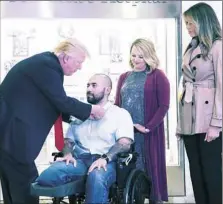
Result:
[
  {"x": 99, "y": 163},
  {"x": 68, "y": 158},
  {"x": 141, "y": 128},
  {"x": 212, "y": 134},
  {"x": 97, "y": 112}
]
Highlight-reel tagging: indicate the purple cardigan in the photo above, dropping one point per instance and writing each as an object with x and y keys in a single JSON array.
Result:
[{"x": 156, "y": 100}]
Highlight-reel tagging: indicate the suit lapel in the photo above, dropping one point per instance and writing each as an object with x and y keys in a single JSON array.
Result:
[
  {"x": 196, "y": 53},
  {"x": 186, "y": 67},
  {"x": 189, "y": 57}
]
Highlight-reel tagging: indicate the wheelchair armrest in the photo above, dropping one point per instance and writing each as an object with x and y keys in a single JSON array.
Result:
[
  {"x": 126, "y": 158},
  {"x": 130, "y": 151},
  {"x": 123, "y": 154},
  {"x": 126, "y": 162},
  {"x": 126, "y": 154},
  {"x": 56, "y": 155}
]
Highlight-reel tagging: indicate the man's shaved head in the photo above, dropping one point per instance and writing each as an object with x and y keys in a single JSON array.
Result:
[
  {"x": 99, "y": 88},
  {"x": 105, "y": 78}
]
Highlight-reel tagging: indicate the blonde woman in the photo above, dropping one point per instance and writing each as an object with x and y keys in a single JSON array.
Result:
[
  {"x": 200, "y": 114},
  {"x": 32, "y": 97},
  {"x": 145, "y": 93}
]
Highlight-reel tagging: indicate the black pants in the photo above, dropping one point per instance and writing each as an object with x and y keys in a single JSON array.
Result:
[
  {"x": 16, "y": 179},
  {"x": 205, "y": 168}
]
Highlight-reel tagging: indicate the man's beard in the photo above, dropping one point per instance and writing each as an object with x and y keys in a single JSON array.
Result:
[{"x": 95, "y": 99}]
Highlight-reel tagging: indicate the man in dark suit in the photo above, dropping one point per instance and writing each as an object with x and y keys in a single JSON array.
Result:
[{"x": 32, "y": 97}]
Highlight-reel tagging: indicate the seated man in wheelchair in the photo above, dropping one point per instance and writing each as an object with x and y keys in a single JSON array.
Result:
[{"x": 91, "y": 146}]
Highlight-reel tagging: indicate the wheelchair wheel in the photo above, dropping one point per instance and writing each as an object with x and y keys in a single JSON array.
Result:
[{"x": 137, "y": 188}]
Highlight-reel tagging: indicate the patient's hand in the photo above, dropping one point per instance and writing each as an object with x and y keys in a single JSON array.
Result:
[
  {"x": 68, "y": 158},
  {"x": 98, "y": 164}
]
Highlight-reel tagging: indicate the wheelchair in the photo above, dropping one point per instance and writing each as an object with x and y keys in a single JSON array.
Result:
[{"x": 132, "y": 185}]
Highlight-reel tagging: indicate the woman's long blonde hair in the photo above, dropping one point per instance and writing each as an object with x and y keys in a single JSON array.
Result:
[
  {"x": 148, "y": 50},
  {"x": 207, "y": 25}
]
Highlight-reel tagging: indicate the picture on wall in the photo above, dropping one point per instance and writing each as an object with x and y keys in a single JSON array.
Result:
[
  {"x": 110, "y": 44},
  {"x": 21, "y": 42}
]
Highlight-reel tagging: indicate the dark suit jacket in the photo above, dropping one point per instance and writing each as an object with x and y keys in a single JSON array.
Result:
[{"x": 31, "y": 98}]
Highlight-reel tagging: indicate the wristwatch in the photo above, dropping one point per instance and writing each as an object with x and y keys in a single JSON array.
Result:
[{"x": 104, "y": 156}]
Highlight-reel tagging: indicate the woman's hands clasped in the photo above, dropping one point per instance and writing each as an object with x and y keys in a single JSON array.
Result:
[{"x": 141, "y": 128}]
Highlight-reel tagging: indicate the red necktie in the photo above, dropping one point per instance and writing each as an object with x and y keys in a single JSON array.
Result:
[{"x": 58, "y": 130}]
